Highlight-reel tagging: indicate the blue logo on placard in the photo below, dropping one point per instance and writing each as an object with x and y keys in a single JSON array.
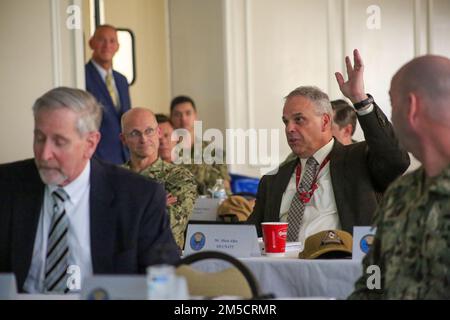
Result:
[
  {"x": 198, "y": 241},
  {"x": 366, "y": 242}
]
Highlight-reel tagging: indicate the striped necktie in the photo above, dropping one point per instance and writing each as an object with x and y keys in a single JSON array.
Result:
[
  {"x": 297, "y": 208},
  {"x": 57, "y": 259},
  {"x": 111, "y": 90}
]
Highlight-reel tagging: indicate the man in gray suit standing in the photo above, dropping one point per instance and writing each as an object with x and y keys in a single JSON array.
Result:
[{"x": 329, "y": 185}]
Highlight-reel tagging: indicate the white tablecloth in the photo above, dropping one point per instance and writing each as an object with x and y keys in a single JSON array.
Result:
[
  {"x": 285, "y": 277},
  {"x": 292, "y": 277}
]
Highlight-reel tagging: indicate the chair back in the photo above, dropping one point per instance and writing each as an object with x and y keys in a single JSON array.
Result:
[{"x": 236, "y": 280}]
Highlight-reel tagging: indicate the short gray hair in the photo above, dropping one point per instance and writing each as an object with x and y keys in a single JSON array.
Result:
[
  {"x": 318, "y": 98},
  {"x": 81, "y": 102}
]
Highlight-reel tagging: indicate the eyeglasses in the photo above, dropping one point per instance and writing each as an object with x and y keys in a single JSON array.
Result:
[{"x": 135, "y": 134}]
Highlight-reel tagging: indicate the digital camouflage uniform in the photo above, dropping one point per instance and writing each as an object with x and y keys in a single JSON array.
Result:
[
  {"x": 180, "y": 183},
  {"x": 412, "y": 244},
  {"x": 206, "y": 174}
]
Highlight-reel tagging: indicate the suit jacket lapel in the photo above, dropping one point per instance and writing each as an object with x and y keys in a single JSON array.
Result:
[
  {"x": 100, "y": 83},
  {"x": 281, "y": 182},
  {"x": 338, "y": 180},
  {"x": 102, "y": 219},
  {"x": 27, "y": 207}
]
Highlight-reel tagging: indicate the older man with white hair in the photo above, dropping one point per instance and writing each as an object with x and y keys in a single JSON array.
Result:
[{"x": 64, "y": 211}]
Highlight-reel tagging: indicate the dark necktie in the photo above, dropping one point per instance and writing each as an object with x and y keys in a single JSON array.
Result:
[
  {"x": 297, "y": 208},
  {"x": 57, "y": 259}
]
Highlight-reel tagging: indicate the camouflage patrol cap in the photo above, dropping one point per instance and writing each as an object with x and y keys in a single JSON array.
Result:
[
  {"x": 329, "y": 244},
  {"x": 236, "y": 207}
]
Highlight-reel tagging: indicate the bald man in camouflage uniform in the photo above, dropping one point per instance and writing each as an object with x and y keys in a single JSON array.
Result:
[
  {"x": 412, "y": 243},
  {"x": 140, "y": 133}
]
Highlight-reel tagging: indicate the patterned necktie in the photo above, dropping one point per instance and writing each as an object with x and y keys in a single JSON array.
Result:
[
  {"x": 297, "y": 208},
  {"x": 110, "y": 86},
  {"x": 57, "y": 259}
]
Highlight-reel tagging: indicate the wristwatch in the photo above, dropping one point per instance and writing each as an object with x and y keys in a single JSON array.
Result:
[{"x": 360, "y": 105}]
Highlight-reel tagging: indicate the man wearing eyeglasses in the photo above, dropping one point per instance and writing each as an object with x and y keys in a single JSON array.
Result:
[{"x": 140, "y": 133}]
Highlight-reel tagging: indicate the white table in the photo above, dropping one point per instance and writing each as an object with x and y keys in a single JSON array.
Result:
[
  {"x": 285, "y": 277},
  {"x": 290, "y": 277}
]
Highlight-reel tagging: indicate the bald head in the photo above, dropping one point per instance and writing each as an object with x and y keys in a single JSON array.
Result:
[
  {"x": 428, "y": 77},
  {"x": 134, "y": 114},
  {"x": 99, "y": 29},
  {"x": 104, "y": 45}
]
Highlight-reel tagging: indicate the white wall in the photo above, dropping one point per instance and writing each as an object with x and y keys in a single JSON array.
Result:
[
  {"x": 148, "y": 21},
  {"x": 274, "y": 46},
  {"x": 37, "y": 53},
  {"x": 197, "y": 57},
  {"x": 25, "y": 64},
  {"x": 236, "y": 58}
]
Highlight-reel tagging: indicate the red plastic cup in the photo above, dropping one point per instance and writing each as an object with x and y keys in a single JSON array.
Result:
[{"x": 274, "y": 235}]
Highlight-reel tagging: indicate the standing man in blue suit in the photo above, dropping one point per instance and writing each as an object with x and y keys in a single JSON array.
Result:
[{"x": 110, "y": 88}]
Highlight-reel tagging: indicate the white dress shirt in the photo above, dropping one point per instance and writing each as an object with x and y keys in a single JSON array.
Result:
[
  {"x": 103, "y": 74},
  {"x": 78, "y": 236},
  {"x": 321, "y": 211}
]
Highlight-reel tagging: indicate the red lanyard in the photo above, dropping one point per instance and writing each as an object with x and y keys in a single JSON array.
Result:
[{"x": 306, "y": 196}]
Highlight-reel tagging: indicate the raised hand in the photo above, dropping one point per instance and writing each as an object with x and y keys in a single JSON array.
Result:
[{"x": 354, "y": 87}]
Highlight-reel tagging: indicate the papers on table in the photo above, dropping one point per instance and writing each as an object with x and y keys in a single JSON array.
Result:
[{"x": 205, "y": 209}]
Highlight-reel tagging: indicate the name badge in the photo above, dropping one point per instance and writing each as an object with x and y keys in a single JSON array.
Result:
[
  {"x": 362, "y": 241},
  {"x": 239, "y": 240}
]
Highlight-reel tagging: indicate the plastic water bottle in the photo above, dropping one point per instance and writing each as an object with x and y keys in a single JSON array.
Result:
[
  {"x": 160, "y": 282},
  {"x": 218, "y": 191},
  {"x": 164, "y": 284}
]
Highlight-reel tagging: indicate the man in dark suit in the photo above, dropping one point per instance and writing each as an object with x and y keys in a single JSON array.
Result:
[
  {"x": 64, "y": 209},
  {"x": 110, "y": 88},
  {"x": 328, "y": 185}
]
